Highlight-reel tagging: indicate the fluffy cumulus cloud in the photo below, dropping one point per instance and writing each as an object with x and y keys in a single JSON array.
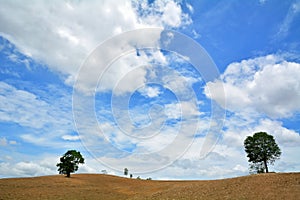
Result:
[
  {"x": 268, "y": 85},
  {"x": 259, "y": 93},
  {"x": 43, "y": 166},
  {"x": 284, "y": 136},
  {"x": 65, "y": 32},
  {"x": 61, "y": 26},
  {"x": 124, "y": 75},
  {"x": 63, "y": 35},
  {"x": 228, "y": 158},
  {"x": 150, "y": 91},
  {"x": 162, "y": 13},
  {"x": 238, "y": 128}
]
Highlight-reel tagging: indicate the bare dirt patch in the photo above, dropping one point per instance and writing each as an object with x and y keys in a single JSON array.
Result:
[{"x": 95, "y": 186}]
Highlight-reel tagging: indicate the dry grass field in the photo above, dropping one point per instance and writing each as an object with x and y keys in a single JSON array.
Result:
[{"x": 95, "y": 186}]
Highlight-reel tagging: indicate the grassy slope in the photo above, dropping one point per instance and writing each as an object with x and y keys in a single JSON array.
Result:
[{"x": 92, "y": 186}]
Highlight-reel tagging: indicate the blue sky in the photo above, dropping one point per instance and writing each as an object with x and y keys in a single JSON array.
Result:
[{"x": 151, "y": 100}]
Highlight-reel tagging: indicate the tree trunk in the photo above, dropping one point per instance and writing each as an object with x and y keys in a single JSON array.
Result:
[
  {"x": 266, "y": 166},
  {"x": 68, "y": 174}
]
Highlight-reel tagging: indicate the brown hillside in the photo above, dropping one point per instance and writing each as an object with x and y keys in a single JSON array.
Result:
[{"x": 95, "y": 186}]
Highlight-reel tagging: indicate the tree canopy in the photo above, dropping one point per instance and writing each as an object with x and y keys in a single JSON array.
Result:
[
  {"x": 69, "y": 162},
  {"x": 125, "y": 171},
  {"x": 261, "y": 150}
]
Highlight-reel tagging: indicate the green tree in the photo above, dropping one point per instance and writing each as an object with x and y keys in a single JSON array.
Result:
[
  {"x": 125, "y": 171},
  {"x": 261, "y": 150},
  {"x": 257, "y": 168},
  {"x": 69, "y": 162}
]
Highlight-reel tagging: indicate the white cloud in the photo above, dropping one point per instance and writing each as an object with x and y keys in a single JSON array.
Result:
[
  {"x": 121, "y": 64},
  {"x": 259, "y": 92},
  {"x": 150, "y": 91},
  {"x": 221, "y": 163},
  {"x": 173, "y": 110},
  {"x": 20, "y": 106},
  {"x": 27, "y": 109},
  {"x": 240, "y": 168},
  {"x": 183, "y": 109},
  {"x": 23, "y": 165},
  {"x": 64, "y": 38},
  {"x": 129, "y": 145},
  {"x": 238, "y": 128},
  {"x": 179, "y": 84},
  {"x": 172, "y": 14},
  {"x": 284, "y": 136},
  {"x": 70, "y": 137},
  {"x": 47, "y": 119},
  {"x": 284, "y": 27},
  {"x": 190, "y": 7},
  {"x": 31, "y": 169},
  {"x": 268, "y": 85},
  {"x": 163, "y": 13},
  {"x": 44, "y": 166},
  {"x": 64, "y": 30}
]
